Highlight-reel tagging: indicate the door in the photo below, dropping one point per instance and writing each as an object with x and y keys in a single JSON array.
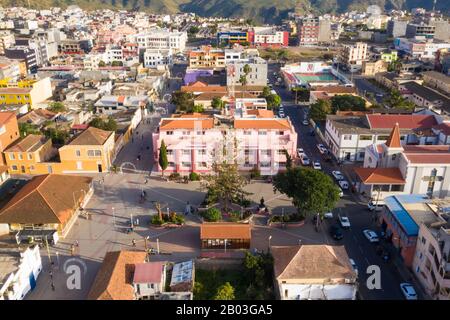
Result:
[
  {"x": 22, "y": 168},
  {"x": 32, "y": 281},
  {"x": 99, "y": 168}
]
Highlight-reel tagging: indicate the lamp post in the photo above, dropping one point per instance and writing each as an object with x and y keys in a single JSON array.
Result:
[
  {"x": 225, "y": 245},
  {"x": 114, "y": 217},
  {"x": 157, "y": 245},
  {"x": 270, "y": 238}
]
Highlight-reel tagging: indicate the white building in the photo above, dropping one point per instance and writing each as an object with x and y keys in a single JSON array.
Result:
[
  {"x": 348, "y": 136},
  {"x": 149, "y": 279},
  {"x": 313, "y": 272},
  {"x": 161, "y": 39},
  {"x": 354, "y": 55},
  {"x": 18, "y": 272},
  {"x": 257, "y": 75},
  {"x": 158, "y": 58}
]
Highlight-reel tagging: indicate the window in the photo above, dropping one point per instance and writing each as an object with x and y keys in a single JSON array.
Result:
[
  {"x": 186, "y": 164},
  {"x": 78, "y": 153},
  {"x": 347, "y": 137},
  {"x": 79, "y": 165},
  {"x": 31, "y": 168},
  {"x": 246, "y": 152},
  {"x": 423, "y": 240},
  {"x": 29, "y": 156},
  {"x": 280, "y": 152},
  {"x": 202, "y": 164},
  {"x": 169, "y": 152},
  {"x": 199, "y": 133},
  {"x": 14, "y": 167},
  {"x": 280, "y": 133},
  {"x": 265, "y": 152},
  {"x": 431, "y": 182},
  {"x": 394, "y": 156},
  {"x": 12, "y": 157},
  {"x": 202, "y": 152},
  {"x": 171, "y": 164},
  {"x": 247, "y": 133},
  {"x": 265, "y": 164},
  {"x": 365, "y": 137},
  {"x": 397, "y": 187},
  {"x": 383, "y": 137},
  {"x": 186, "y": 152},
  {"x": 20, "y": 156},
  {"x": 169, "y": 133},
  {"x": 262, "y": 133},
  {"x": 98, "y": 153}
]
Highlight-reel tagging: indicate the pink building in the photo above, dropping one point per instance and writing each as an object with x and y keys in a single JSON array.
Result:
[{"x": 195, "y": 141}]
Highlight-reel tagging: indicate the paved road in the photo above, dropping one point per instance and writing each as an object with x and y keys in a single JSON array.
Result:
[{"x": 365, "y": 87}]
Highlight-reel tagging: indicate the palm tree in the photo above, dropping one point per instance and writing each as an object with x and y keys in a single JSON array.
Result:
[{"x": 243, "y": 78}]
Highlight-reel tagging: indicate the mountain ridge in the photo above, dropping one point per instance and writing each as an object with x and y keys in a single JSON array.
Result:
[{"x": 262, "y": 11}]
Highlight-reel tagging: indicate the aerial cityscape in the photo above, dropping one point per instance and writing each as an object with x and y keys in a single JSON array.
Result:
[{"x": 178, "y": 150}]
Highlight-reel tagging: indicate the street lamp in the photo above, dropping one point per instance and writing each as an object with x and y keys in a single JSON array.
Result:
[
  {"x": 270, "y": 238},
  {"x": 225, "y": 245},
  {"x": 157, "y": 245},
  {"x": 114, "y": 217}
]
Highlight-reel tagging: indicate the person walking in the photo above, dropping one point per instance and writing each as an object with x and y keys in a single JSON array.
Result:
[
  {"x": 133, "y": 242},
  {"x": 72, "y": 249}
]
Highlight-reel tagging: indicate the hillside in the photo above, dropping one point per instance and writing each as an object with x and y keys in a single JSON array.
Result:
[{"x": 262, "y": 11}]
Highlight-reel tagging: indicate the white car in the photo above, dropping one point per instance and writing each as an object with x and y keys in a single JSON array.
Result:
[
  {"x": 305, "y": 160},
  {"x": 322, "y": 148},
  {"x": 344, "y": 221},
  {"x": 343, "y": 184},
  {"x": 371, "y": 235},
  {"x": 328, "y": 215},
  {"x": 316, "y": 165},
  {"x": 300, "y": 151},
  {"x": 305, "y": 122},
  {"x": 354, "y": 266},
  {"x": 408, "y": 291},
  {"x": 337, "y": 175},
  {"x": 281, "y": 114}
]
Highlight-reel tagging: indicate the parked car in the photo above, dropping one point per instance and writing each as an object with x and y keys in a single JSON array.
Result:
[
  {"x": 408, "y": 291},
  {"x": 336, "y": 232},
  {"x": 337, "y": 175},
  {"x": 305, "y": 160},
  {"x": 344, "y": 221},
  {"x": 316, "y": 165},
  {"x": 305, "y": 122},
  {"x": 376, "y": 205},
  {"x": 328, "y": 215},
  {"x": 322, "y": 148},
  {"x": 343, "y": 184},
  {"x": 300, "y": 151},
  {"x": 371, "y": 235},
  {"x": 354, "y": 266}
]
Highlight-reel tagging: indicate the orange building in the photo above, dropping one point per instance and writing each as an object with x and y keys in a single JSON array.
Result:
[
  {"x": 207, "y": 57},
  {"x": 9, "y": 132}
]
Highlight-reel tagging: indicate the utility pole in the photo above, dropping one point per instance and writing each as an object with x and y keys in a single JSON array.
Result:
[{"x": 157, "y": 245}]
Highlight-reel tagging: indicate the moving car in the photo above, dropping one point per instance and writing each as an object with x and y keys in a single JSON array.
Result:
[
  {"x": 316, "y": 165},
  {"x": 371, "y": 235},
  {"x": 344, "y": 221},
  {"x": 300, "y": 151},
  {"x": 305, "y": 160},
  {"x": 336, "y": 232},
  {"x": 305, "y": 122},
  {"x": 408, "y": 291},
  {"x": 343, "y": 184},
  {"x": 337, "y": 175}
]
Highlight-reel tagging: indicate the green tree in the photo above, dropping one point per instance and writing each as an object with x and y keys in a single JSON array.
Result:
[
  {"x": 282, "y": 55},
  {"x": 347, "y": 102},
  {"x": 28, "y": 128},
  {"x": 259, "y": 272},
  {"x": 163, "y": 162},
  {"x": 273, "y": 101},
  {"x": 312, "y": 191},
  {"x": 56, "y": 107},
  {"x": 193, "y": 30},
  {"x": 101, "y": 63},
  {"x": 212, "y": 215},
  {"x": 225, "y": 183},
  {"x": 217, "y": 103},
  {"x": 198, "y": 108},
  {"x": 117, "y": 64},
  {"x": 301, "y": 94},
  {"x": 184, "y": 101},
  {"x": 266, "y": 92},
  {"x": 396, "y": 101},
  {"x": 225, "y": 292},
  {"x": 110, "y": 125},
  {"x": 289, "y": 161},
  {"x": 59, "y": 137},
  {"x": 320, "y": 109}
]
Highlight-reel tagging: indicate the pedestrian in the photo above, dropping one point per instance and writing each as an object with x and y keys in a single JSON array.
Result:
[
  {"x": 137, "y": 221},
  {"x": 72, "y": 250},
  {"x": 76, "y": 243},
  {"x": 133, "y": 242},
  {"x": 53, "y": 287},
  {"x": 145, "y": 181}
]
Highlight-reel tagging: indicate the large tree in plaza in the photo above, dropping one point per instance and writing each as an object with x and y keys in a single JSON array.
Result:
[
  {"x": 320, "y": 109},
  {"x": 312, "y": 191}
]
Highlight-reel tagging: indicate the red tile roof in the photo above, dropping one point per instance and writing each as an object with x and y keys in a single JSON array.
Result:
[
  {"x": 262, "y": 124},
  {"x": 169, "y": 124},
  {"x": 380, "y": 175},
  {"x": 437, "y": 154},
  {"x": 444, "y": 128},
  {"x": 225, "y": 230},
  {"x": 5, "y": 117},
  {"x": 405, "y": 121},
  {"x": 149, "y": 272}
]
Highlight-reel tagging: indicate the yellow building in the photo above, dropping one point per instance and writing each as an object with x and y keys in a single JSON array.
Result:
[
  {"x": 25, "y": 92},
  {"x": 91, "y": 151},
  {"x": 370, "y": 68},
  {"x": 27, "y": 155}
]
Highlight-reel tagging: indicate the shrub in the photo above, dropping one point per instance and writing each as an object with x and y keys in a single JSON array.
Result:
[
  {"x": 174, "y": 176},
  {"x": 255, "y": 173},
  {"x": 156, "y": 220},
  {"x": 212, "y": 215},
  {"x": 194, "y": 176}
]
